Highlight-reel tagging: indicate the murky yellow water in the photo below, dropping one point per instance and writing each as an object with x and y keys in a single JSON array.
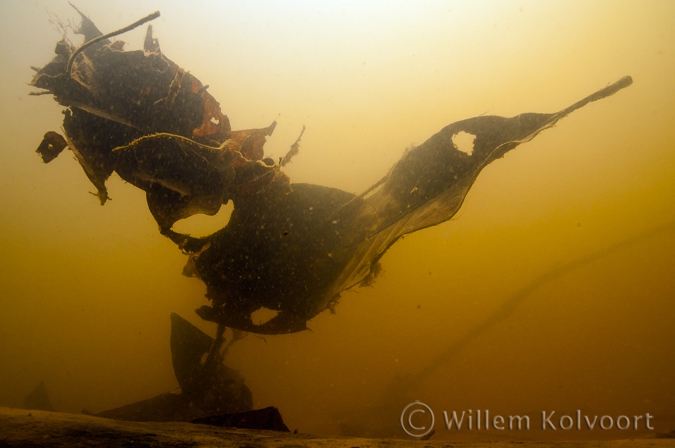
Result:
[{"x": 86, "y": 291}]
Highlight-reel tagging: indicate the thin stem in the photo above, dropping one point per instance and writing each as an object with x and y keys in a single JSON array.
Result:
[
  {"x": 214, "y": 352},
  {"x": 86, "y": 45}
]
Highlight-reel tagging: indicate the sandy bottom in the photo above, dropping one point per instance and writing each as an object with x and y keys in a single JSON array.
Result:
[{"x": 22, "y": 428}]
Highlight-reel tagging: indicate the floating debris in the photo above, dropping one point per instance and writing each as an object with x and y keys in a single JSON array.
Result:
[{"x": 289, "y": 248}]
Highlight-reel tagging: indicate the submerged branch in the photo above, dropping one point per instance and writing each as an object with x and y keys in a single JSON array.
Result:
[
  {"x": 511, "y": 305},
  {"x": 402, "y": 390}
]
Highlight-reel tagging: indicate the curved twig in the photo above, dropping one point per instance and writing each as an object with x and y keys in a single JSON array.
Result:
[{"x": 86, "y": 45}]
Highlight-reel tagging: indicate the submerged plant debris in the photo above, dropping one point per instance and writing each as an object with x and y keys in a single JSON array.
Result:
[
  {"x": 290, "y": 248},
  {"x": 207, "y": 389}
]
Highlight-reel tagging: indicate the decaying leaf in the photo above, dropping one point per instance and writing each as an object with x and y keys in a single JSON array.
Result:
[
  {"x": 212, "y": 387},
  {"x": 290, "y": 248},
  {"x": 206, "y": 390},
  {"x": 321, "y": 241}
]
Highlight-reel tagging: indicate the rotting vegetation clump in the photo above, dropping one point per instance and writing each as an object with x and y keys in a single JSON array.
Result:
[{"x": 290, "y": 248}]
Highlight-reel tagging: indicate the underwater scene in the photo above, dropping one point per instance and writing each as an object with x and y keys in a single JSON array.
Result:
[{"x": 445, "y": 220}]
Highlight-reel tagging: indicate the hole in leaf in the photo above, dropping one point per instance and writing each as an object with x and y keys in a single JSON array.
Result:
[{"x": 463, "y": 141}]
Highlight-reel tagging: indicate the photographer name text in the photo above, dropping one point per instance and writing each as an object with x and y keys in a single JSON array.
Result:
[
  {"x": 549, "y": 420},
  {"x": 418, "y": 420}
]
